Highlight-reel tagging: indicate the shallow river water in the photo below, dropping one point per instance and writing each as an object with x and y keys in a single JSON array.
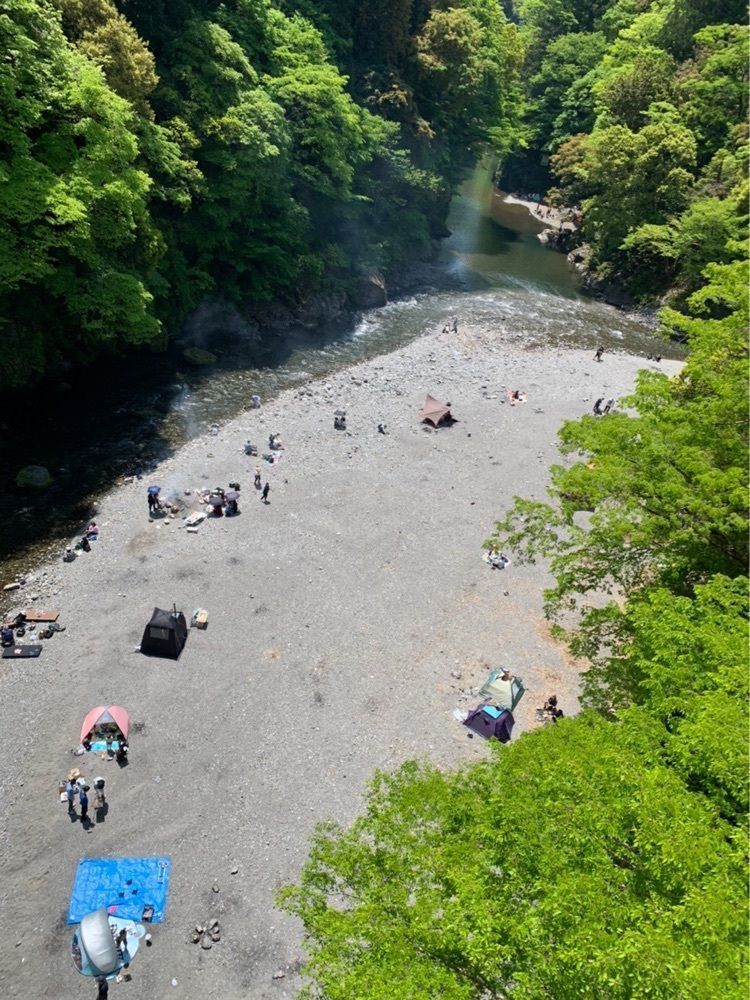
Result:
[{"x": 492, "y": 271}]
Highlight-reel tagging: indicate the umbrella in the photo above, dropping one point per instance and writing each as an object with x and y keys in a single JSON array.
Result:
[
  {"x": 216, "y": 500},
  {"x": 154, "y": 489},
  {"x": 232, "y": 495}
]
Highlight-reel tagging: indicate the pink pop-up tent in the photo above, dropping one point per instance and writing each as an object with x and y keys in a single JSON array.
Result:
[{"x": 112, "y": 714}]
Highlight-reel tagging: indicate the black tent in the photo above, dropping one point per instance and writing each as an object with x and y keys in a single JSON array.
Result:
[
  {"x": 165, "y": 634},
  {"x": 491, "y": 722}
]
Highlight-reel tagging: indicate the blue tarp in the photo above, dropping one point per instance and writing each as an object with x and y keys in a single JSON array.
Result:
[{"x": 123, "y": 886}]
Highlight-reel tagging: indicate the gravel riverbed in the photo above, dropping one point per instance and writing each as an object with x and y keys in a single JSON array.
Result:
[{"x": 348, "y": 619}]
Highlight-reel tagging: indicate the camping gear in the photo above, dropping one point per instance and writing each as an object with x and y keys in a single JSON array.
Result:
[
  {"x": 106, "y": 718},
  {"x": 21, "y": 652},
  {"x": 199, "y": 619},
  {"x": 125, "y": 887},
  {"x": 502, "y": 689},
  {"x": 154, "y": 490},
  {"x": 39, "y": 615},
  {"x": 490, "y": 722},
  {"x": 232, "y": 495},
  {"x": 165, "y": 634},
  {"x": 434, "y": 412},
  {"x": 93, "y": 946}
]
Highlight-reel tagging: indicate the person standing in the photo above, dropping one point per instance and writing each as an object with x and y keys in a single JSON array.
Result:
[
  {"x": 257, "y": 478},
  {"x": 264, "y": 494},
  {"x": 598, "y": 355},
  {"x": 100, "y": 800},
  {"x": 455, "y": 324},
  {"x": 598, "y": 406},
  {"x": 70, "y": 791},
  {"x": 608, "y": 407},
  {"x": 102, "y": 988},
  {"x": 83, "y": 801}
]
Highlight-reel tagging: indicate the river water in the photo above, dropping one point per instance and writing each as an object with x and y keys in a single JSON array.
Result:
[{"x": 492, "y": 271}]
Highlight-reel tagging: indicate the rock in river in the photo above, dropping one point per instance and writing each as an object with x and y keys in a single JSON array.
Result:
[
  {"x": 33, "y": 477},
  {"x": 197, "y": 356}
]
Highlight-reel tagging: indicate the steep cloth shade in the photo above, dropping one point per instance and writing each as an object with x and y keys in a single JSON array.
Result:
[
  {"x": 490, "y": 722},
  {"x": 165, "y": 634},
  {"x": 106, "y": 715},
  {"x": 433, "y": 411}
]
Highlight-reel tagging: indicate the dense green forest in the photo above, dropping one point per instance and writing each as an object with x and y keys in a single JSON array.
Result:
[
  {"x": 156, "y": 153},
  {"x": 636, "y": 111},
  {"x": 606, "y": 855}
]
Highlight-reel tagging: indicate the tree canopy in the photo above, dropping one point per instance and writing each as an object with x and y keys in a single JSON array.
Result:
[
  {"x": 155, "y": 155},
  {"x": 643, "y": 108}
]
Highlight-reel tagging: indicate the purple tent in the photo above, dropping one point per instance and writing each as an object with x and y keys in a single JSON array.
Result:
[{"x": 490, "y": 722}]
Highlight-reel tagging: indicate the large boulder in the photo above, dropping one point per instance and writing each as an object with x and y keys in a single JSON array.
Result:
[
  {"x": 197, "y": 356},
  {"x": 33, "y": 477},
  {"x": 369, "y": 291}
]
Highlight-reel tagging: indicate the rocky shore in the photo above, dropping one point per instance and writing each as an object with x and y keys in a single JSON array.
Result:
[{"x": 349, "y": 618}]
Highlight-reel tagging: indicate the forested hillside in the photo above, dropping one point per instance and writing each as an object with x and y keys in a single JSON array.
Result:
[
  {"x": 636, "y": 111},
  {"x": 156, "y": 153}
]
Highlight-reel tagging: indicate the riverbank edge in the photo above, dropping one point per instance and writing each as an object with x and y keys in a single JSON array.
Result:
[{"x": 613, "y": 292}]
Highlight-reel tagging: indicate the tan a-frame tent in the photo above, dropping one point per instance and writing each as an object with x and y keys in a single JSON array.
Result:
[{"x": 434, "y": 412}]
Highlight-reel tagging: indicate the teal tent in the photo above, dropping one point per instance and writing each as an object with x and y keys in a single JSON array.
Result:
[{"x": 502, "y": 689}]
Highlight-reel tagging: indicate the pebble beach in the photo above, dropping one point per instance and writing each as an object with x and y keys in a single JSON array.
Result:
[{"x": 348, "y": 619}]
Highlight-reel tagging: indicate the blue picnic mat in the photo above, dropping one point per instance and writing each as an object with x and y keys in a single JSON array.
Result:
[
  {"x": 123, "y": 886},
  {"x": 100, "y": 746}
]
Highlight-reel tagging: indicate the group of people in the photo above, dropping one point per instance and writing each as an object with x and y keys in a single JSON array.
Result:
[
  {"x": 601, "y": 411},
  {"x": 109, "y": 739},
  {"x": 224, "y": 503},
  {"x": 78, "y": 788},
  {"x": 550, "y": 709},
  {"x": 91, "y": 534}
]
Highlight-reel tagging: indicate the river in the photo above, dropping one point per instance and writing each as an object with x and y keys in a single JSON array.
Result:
[{"x": 492, "y": 271}]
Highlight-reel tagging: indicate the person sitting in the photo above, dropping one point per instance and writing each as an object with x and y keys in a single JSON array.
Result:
[
  {"x": 232, "y": 508},
  {"x": 382, "y": 429},
  {"x": 87, "y": 740},
  {"x": 92, "y": 532},
  {"x": 69, "y": 555},
  {"x": 250, "y": 448},
  {"x": 550, "y": 705},
  {"x": 7, "y": 637},
  {"x": 84, "y": 543}
]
